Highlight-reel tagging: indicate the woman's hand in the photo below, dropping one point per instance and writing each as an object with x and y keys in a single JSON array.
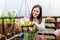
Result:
[
  {"x": 31, "y": 29},
  {"x": 35, "y": 23},
  {"x": 31, "y": 23}
]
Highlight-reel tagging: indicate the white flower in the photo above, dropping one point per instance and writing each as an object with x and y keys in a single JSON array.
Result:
[
  {"x": 26, "y": 18},
  {"x": 57, "y": 32},
  {"x": 21, "y": 21}
]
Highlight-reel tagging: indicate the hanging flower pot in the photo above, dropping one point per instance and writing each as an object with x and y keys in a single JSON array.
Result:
[
  {"x": 17, "y": 26},
  {"x": 8, "y": 23},
  {"x": 8, "y": 28},
  {"x": 1, "y": 26},
  {"x": 25, "y": 25},
  {"x": 25, "y": 29}
]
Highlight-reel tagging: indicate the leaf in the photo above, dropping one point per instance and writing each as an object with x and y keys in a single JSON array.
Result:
[
  {"x": 10, "y": 15},
  {"x": 2, "y": 16},
  {"x": 0, "y": 21}
]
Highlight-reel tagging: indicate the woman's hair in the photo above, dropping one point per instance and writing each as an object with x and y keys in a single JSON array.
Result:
[{"x": 39, "y": 16}]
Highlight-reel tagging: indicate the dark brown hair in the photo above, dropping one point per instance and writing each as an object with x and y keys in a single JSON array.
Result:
[{"x": 39, "y": 16}]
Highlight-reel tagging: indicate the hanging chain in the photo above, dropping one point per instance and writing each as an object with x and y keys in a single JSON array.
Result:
[
  {"x": 6, "y": 5},
  {"x": 20, "y": 8}
]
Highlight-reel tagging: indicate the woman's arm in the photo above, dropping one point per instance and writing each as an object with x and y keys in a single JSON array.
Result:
[{"x": 39, "y": 26}]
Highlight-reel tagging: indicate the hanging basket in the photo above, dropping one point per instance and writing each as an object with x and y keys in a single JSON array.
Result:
[
  {"x": 24, "y": 28},
  {"x": 8, "y": 29},
  {"x": 27, "y": 28},
  {"x": 17, "y": 27}
]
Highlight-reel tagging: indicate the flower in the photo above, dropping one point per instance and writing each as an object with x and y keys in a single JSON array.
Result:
[
  {"x": 58, "y": 25},
  {"x": 57, "y": 32},
  {"x": 25, "y": 21}
]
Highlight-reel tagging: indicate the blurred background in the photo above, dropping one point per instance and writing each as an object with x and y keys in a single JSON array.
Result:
[
  {"x": 50, "y": 12},
  {"x": 22, "y": 7}
]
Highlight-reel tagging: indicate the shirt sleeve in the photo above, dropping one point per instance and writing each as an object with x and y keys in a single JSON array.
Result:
[{"x": 42, "y": 25}]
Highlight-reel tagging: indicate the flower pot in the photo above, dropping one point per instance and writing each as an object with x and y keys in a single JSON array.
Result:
[
  {"x": 17, "y": 27},
  {"x": 24, "y": 28},
  {"x": 8, "y": 28}
]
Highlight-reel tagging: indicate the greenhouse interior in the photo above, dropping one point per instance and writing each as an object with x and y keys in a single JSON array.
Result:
[{"x": 29, "y": 20}]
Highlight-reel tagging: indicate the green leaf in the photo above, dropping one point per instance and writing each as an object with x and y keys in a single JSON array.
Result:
[
  {"x": 2, "y": 16},
  {"x": 10, "y": 14},
  {"x": 0, "y": 21},
  {"x": 26, "y": 23}
]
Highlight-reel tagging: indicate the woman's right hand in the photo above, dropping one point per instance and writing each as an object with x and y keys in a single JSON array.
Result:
[{"x": 31, "y": 29}]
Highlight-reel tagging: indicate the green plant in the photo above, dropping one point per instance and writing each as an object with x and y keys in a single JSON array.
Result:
[
  {"x": 2, "y": 17},
  {"x": 26, "y": 23},
  {"x": 10, "y": 15}
]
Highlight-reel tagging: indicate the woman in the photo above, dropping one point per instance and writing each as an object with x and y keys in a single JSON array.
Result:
[{"x": 37, "y": 22}]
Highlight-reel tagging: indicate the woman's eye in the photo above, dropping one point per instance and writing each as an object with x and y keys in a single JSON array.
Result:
[{"x": 37, "y": 11}]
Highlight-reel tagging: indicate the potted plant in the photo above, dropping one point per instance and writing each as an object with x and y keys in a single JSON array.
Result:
[
  {"x": 17, "y": 26},
  {"x": 2, "y": 15},
  {"x": 57, "y": 33},
  {"x": 25, "y": 23},
  {"x": 1, "y": 23},
  {"x": 8, "y": 23}
]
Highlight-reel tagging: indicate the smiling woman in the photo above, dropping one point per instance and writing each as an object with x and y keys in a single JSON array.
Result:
[
  {"x": 22, "y": 8},
  {"x": 37, "y": 22},
  {"x": 36, "y": 19}
]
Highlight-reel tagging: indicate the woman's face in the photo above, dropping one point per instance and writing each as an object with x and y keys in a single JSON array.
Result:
[{"x": 35, "y": 12}]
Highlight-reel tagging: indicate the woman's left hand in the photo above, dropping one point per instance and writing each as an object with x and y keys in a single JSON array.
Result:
[{"x": 31, "y": 29}]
